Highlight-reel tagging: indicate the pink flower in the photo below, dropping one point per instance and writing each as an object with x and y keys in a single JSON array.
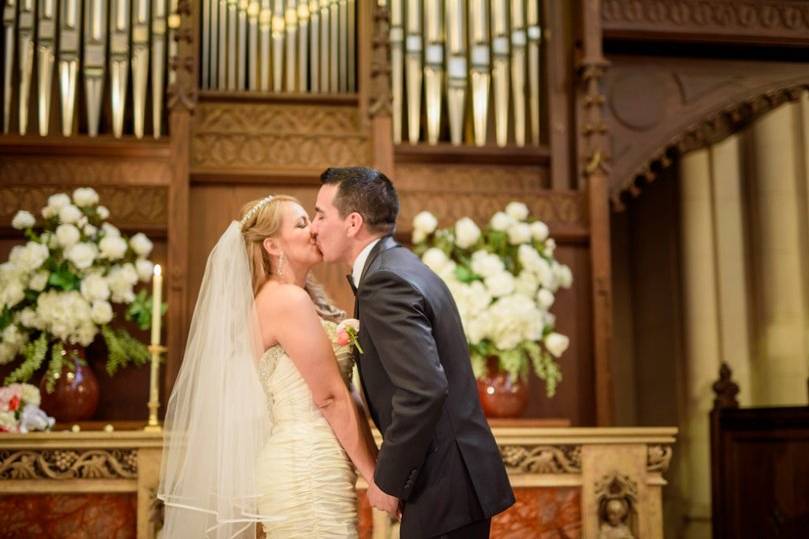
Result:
[
  {"x": 342, "y": 337},
  {"x": 347, "y": 331},
  {"x": 8, "y": 395}
]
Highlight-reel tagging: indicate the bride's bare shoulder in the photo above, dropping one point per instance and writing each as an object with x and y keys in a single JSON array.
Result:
[{"x": 283, "y": 298}]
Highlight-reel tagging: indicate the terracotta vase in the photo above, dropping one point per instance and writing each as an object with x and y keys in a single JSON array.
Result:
[
  {"x": 501, "y": 395},
  {"x": 75, "y": 392}
]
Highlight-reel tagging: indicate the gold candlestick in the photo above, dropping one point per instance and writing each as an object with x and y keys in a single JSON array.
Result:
[{"x": 153, "y": 425}]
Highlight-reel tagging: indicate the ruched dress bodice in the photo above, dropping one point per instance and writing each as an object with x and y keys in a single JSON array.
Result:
[{"x": 304, "y": 475}]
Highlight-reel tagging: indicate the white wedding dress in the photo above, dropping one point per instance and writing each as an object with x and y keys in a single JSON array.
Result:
[{"x": 303, "y": 474}]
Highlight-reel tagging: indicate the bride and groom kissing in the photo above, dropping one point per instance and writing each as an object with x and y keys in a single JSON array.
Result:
[{"x": 263, "y": 427}]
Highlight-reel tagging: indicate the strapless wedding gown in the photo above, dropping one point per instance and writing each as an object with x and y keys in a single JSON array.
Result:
[{"x": 303, "y": 474}]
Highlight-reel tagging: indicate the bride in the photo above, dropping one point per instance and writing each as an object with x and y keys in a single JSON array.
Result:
[{"x": 261, "y": 427}]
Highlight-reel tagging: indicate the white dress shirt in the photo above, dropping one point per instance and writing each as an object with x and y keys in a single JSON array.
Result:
[{"x": 359, "y": 262}]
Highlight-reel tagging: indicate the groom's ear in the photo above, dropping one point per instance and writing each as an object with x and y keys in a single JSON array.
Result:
[{"x": 355, "y": 222}]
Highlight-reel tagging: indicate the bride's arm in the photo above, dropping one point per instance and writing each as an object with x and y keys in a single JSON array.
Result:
[
  {"x": 301, "y": 335},
  {"x": 365, "y": 425}
]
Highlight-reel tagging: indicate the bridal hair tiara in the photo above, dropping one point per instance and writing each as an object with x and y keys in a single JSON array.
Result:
[{"x": 254, "y": 210}]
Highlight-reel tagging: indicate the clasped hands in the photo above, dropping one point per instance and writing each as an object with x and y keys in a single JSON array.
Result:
[{"x": 384, "y": 501}]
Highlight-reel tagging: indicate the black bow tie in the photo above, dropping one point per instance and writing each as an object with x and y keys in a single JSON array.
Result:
[{"x": 350, "y": 279}]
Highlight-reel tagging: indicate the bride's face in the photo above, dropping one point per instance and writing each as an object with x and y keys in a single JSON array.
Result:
[{"x": 295, "y": 237}]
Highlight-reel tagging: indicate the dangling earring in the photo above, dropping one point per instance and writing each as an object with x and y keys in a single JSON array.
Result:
[{"x": 281, "y": 265}]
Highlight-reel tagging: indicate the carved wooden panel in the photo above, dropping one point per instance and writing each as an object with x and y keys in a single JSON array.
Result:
[
  {"x": 782, "y": 21},
  {"x": 658, "y": 105},
  {"x": 452, "y": 191},
  {"x": 272, "y": 137},
  {"x": 131, "y": 208}
]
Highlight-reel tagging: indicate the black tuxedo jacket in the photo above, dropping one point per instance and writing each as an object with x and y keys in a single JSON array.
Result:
[{"x": 438, "y": 454}]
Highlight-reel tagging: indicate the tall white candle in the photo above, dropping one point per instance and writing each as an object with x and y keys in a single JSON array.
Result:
[{"x": 157, "y": 290}]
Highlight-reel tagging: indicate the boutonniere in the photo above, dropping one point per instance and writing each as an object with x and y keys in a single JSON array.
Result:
[{"x": 347, "y": 331}]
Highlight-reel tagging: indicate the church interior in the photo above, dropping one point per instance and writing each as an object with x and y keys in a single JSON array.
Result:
[{"x": 663, "y": 144}]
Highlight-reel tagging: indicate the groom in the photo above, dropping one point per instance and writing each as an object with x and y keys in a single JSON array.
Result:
[{"x": 439, "y": 462}]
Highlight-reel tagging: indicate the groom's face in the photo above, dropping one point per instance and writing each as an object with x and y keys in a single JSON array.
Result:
[{"x": 329, "y": 229}]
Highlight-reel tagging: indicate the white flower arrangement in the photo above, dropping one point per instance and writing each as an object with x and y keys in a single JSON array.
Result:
[
  {"x": 19, "y": 409},
  {"x": 504, "y": 279},
  {"x": 59, "y": 289}
]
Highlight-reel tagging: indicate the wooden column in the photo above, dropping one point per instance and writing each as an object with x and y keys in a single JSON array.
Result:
[
  {"x": 378, "y": 98},
  {"x": 182, "y": 100},
  {"x": 593, "y": 158}
]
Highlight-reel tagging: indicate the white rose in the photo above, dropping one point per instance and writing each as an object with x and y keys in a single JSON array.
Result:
[
  {"x": 110, "y": 230},
  {"x": 58, "y": 201},
  {"x": 121, "y": 279},
  {"x": 112, "y": 247},
  {"x": 547, "y": 278},
  {"x": 67, "y": 235},
  {"x": 486, "y": 264},
  {"x": 48, "y": 212},
  {"x": 12, "y": 336},
  {"x": 89, "y": 231},
  {"x": 82, "y": 255},
  {"x": 549, "y": 247},
  {"x": 145, "y": 269},
  {"x": 539, "y": 230},
  {"x": 103, "y": 212},
  {"x": 479, "y": 298},
  {"x": 426, "y": 222},
  {"x": 85, "y": 334},
  {"x": 12, "y": 293},
  {"x": 517, "y": 210},
  {"x": 435, "y": 259},
  {"x": 28, "y": 257},
  {"x": 70, "y": 214},
  {"x": 529, "y": 257},
  {"x": 556, "y": 343},
  {"x": 30, "y": 394},
  {"x": 141, "y": 244},
  {"x": 500, "y": 284},
  {"x": 22, "y": 220},
  {"x": 501, "y": 221},
  {"x": 85, "y": 196},
  {"x": 563, "y": 275},
  {"x": 467, "y": 233},
  {"x": 477, "y": 329},
  {"x": 29, "y": 319},
  {"x": 101, "y": 312},
  {"x": 519, "y": 233},
  {"x": 94, "y": 287},
  {"x": 545, "y": 298},
  {"x": 418, "y": 236},
  {"x": 39, "y": 280}
]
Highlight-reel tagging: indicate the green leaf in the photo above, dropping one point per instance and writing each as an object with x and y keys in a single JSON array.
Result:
[
  {"x": 54, "y": 366},
  {"x": 123, "y": 349},
  {"x": 464, "y": 274},
  {"x": 5, "y": 318},
  {"x": 34, "y": 353},
  {"x": 65, "y": 279}
]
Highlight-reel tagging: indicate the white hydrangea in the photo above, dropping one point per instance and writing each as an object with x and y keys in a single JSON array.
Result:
[
  {"x": 22, "y": 220},
  {"x": 141, "y": 244},
  {"x": 477, "y": 329},
  {"x": 82, "y": 255},
  {"x": 145, "y": 269},
  {"x": 425, "y": 222},
  {"x": 467, "y": 233},
  {"x": 28, "y": 257},
  {"x": 67, "y": 235},
  {"x": 103, "y": 212},
  {"x": 85, "y": 196},
  {"x": 486, "y": 264},
  {"x": 529, "y": 258},
  {"x": 109, "y": 229},
  {"x": 519, "y": 233},
  {"x": 517, "y": 211},
  {"x": 58, "y": 201},
  {"x": 435, "y": 259},
  {"x": 526, "y": 284},
  {"x": 545, "y": 298},
  {"x": 70, "y": 214},
  {"x": 501, "y": 221},
  {"x": 500, "y": 284},
  {"x": 39, "y": 280},
  {"x": 514, "y": 319},
  {"x": 30, "y": 394},
  {"x": 479, "y": 298},
  {"x": 12, "y": 293},
  {"x": 549, "y": 247},
  {"x": 121, "y": 279},
  {"x": 563, "y": 275},
  {"x": 67, "y": 316},
  {"x": 539, "y": 230},
  {"x": 94, "y": 287},
  {"x": 29, "y": 319},
  {"x": 101, "y": 312},
  {"x": 89, "y": 231},
  {"x": 112, "y": 247},
  {"x": 418, "y": 236},
  {"x": 12, "y": 336}
]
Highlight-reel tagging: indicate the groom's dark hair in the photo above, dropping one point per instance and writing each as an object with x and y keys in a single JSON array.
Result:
[{"x": 366, "y": 191}]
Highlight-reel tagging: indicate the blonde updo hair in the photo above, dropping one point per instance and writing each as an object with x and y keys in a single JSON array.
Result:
[{"x": 266, "y": 223}]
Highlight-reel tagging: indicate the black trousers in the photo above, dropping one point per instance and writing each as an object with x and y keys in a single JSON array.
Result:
[{"x": 476, "y": 530}]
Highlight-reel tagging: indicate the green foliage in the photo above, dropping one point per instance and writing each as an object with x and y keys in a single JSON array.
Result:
[
  {"x": 33, "y": 353},
  {"x": 464, "y": 274},
  {"x": 140, "y": 310},
  {"x": 545, "y": 367},
  {"x": 54, "y": 367},
  {"x": 123, "y": 349},
  {"x": 61, "y": 277},
  {"x": 5, "y": 318}
]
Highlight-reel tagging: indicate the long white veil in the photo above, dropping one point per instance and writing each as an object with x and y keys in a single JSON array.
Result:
[{"x": 217, "y": 417}]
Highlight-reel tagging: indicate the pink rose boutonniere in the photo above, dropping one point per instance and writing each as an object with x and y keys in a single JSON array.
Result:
[{"x": 347, "y": 331}]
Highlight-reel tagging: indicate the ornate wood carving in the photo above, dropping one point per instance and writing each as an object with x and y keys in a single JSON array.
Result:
[
  {"x": 658, "y": 458},
  {"x": 262, "y": 137},
  {"x": 130, "y": 207},
  {"x": 546, "y": 459},
  {"x": 69, "y": 464},
  {"x": 380, "y": 64},
  {"x": 182, "y": 92},
  {"x": 781, "y": 21},
  {"x": 687, "y": 103}
]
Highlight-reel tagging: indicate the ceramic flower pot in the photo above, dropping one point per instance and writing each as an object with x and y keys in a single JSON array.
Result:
[
  {"x": 501, "y": 395},
  {"x": 75, "y": 393}
]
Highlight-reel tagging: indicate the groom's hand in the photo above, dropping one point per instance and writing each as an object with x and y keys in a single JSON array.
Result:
[{"x": 383, "y": 501}]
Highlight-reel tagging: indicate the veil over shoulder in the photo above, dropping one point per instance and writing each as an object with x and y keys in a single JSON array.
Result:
[{"x": 217, "y": 416}]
